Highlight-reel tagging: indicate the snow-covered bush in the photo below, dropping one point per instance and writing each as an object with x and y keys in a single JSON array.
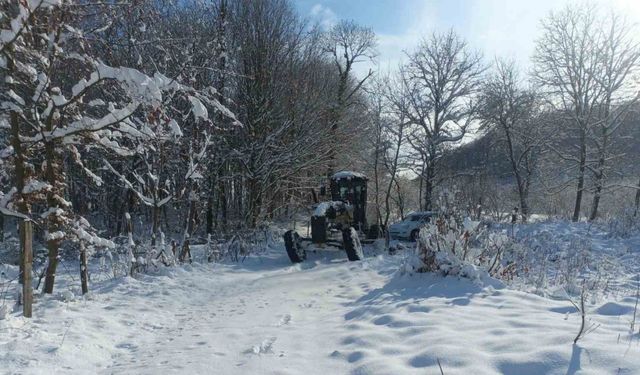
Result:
[
  {"x": 246, "y": 243},
  {"x": 497, "y": 254},
  {"x": 444, "y": 246},
  {"x": 466, "y": 248},
  {"x": 624, "y": 224}
]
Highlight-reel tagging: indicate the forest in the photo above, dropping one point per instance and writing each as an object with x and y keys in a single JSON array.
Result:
[{"x": 140, "y": 139}]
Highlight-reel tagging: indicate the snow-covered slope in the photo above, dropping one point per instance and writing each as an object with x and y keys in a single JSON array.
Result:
[{"x": 326, "y": 316}]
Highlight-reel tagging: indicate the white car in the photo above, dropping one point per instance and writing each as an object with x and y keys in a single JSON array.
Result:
[{"x": 410, "y": 226}]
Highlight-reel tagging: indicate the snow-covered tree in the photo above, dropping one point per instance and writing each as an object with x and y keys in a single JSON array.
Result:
[{"x": 62, "y": 101}]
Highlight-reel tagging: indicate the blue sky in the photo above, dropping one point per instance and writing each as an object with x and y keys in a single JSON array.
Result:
[{"x": 504, "y": 28}]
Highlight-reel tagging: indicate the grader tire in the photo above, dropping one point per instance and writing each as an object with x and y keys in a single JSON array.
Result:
[
  {"x": 352, "y": 245},
  {"x": 295, "y": 251}
]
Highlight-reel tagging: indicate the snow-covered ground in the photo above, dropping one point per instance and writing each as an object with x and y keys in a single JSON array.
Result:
[
  {"x": 567, "y": 253},
  {"x": 326, "y": 316}
]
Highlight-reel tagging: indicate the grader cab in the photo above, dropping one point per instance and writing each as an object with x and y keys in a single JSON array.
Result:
[{"x": 338, "y": 223}]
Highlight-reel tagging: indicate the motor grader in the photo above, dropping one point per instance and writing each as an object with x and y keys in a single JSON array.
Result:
[{"x": 340, "y": 223}]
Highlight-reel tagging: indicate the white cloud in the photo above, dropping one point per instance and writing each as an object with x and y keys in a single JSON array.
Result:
[
  {"x": 501, "y": 28},
  {"x": 325, "y": 17},
  {"x": 392, "y": 48}
]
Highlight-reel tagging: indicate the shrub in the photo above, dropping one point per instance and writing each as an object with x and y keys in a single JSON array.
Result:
[{"x": 624, "y": 224}]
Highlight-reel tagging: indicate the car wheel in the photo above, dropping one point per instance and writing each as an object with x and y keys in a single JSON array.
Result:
[{"x": 414, "y": 234}]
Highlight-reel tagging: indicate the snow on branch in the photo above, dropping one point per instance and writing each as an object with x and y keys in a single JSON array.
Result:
[
  {"x": 199, "y": 110},
  {"x": 147, "y": 201},
  {"x": 5, "y": 202}
]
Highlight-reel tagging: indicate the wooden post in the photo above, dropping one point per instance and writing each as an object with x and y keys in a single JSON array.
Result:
[
  {"x": 84, "y": 271},
  {"x": 26, "y": 232}
]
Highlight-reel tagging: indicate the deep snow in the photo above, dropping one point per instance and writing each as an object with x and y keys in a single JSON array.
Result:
[{"x": 326, "y": 316}]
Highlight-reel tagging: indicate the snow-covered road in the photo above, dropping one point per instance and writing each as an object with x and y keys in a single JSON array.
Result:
[
  {"x": 327, "y": 316},
  {"x": 278, "y": 321}
]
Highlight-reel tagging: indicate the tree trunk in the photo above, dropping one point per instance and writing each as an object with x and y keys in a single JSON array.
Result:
[
  {"x": 600, "y": 172},
  {"x": 222, "y": 203},
  {"x": 637, "y": 200},
  {"x": 119, "y": 214},
  {"x": 376, "y": 180},
  {"x": 191, "y": 220},
  {"x": 420, "y": 187},
  {"x": 596, "y": 194},
  {"x": 394, "y": 170},
  {"x": 50, "y": 276},
  {"x": 387, "y": 202},
  {"x": 255, "y": 202},
  {"x": 53, "y": 175},
  {"x": 26, "y": 235},
  {"x": 18, "y": 160},
  {"x": 239, "y": 191},
  {"x": 130, "y": 244},
  {"x": 515, "y": 168},
  {"x": 581, "y": 170},
  {"x": 84, "y": 269},
  {"x": 220, "y": 199},
  {"x": 525, "y": 194},
  {"x": 210, "y": 209},
  {"x": 400, "y": 198},
  {"x": 428, "y": 185},
  {"x": 155, "y": 223}
]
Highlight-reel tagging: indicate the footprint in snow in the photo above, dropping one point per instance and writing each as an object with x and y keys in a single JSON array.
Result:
[
  {"x": 127, "y": 346},
  {"x": 264, "y": 348},
  {"x": 418, "y": 309},
  {"x": 284, "y": 320}
]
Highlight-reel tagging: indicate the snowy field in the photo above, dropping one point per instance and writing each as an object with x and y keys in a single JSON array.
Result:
[{"x": 329, "y": 316}]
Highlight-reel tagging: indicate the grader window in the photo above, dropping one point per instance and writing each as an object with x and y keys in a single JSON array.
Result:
[
  {"x": 358, "y": 195},
  {"x": 352, "y": 189},
  {"x": 344, "y": 193}
]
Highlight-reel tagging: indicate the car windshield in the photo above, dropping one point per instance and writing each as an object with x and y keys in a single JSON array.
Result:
[{"x": 417, "y": 218}]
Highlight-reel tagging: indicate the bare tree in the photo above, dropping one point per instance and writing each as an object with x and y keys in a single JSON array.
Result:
[
  {"x": 377, "y": 138},
  {"x": 619, "y": 61},
  {"x": 216, "y": 180},
  {"x": 564, "y": 59},
  {"x": 387, "y": 136},
  {"x": 441, "y": 77},
  {"x": 395, "y": 93},
  {"x": 510, "y": 110},
  {"x": 347, "y": 43}
]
